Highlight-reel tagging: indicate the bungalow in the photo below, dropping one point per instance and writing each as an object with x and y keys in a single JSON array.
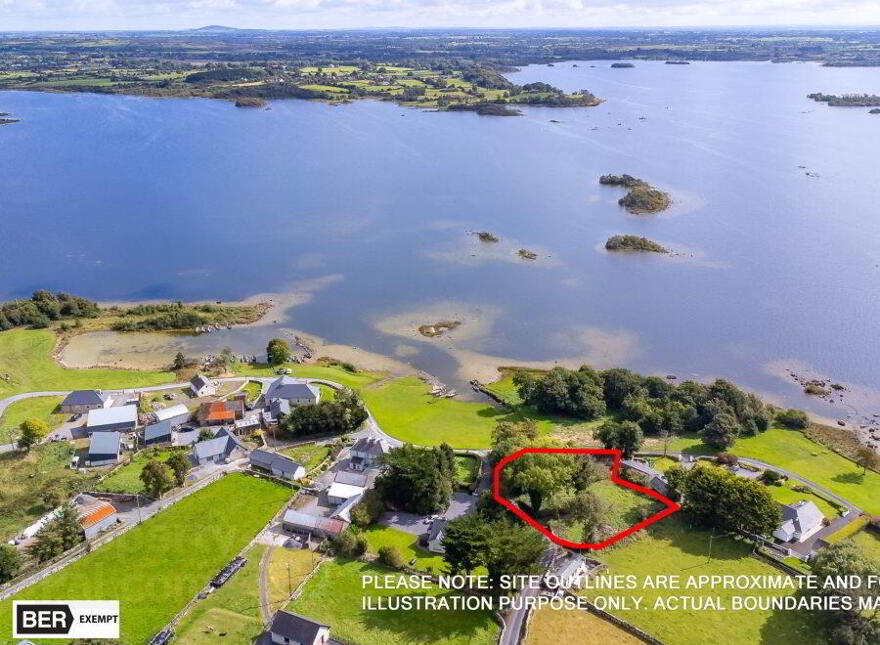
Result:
[
  {"x": 157, "y": 433},
  {"x": 278, "y": 465},
  {"x": 367, "y": 452},
  {"x": 217, "y": 450},
  {"x": 436, "y": 535},
  {"x": 80, "y": 401},
  {"x": 288, "y": 628},
  {"x": 800, "y": 521},
  {"x": 219, "y": 413},
  {"x": 570, "y": 572},
  {"x": 297, "y": 522},
  {"x": 339, "y": 493},
  {"x": 293, "y": 391},
  {"x": 121, "y": 419},
  {"x": 104, "y": 449},
  {"x": 201, "y": 385},
  {"x": 95, "y": 515},
  {"x": 176, "y": 414}
]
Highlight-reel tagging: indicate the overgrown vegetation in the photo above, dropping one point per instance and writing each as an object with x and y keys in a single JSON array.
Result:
[
  {"x": 641, "y": 198},
  {"x": 44, "y": 307},
  {"x": 342, "y": 415},
  {"x": 633, "y": 243}
]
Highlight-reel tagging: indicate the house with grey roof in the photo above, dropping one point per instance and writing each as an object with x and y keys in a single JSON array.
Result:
[
  {"x": 104, "y": 449},
  {"x": 293, "y": 391},
  {"x": 200, "y": 385},
  {"x": 288, "y": 628},
  {"x": 568, "y": 572},
  {"x": 800, "y": 521},
  {"x": 119, "y": 419},
  {"x": 277, "y": 464},
  {"x": 80, "y": 401},
  {"x": 157, "y": 434},
  {"x": 436, "y": 535},
  {"x": 218, "y": 450},
  {"x": 367, "y": 452}
]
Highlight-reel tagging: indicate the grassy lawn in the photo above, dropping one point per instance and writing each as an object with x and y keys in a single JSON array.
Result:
[
  {"x": 43, "y": 407},
  {"x": 574, "y": 626},
  {"x": 354, "y": 380},
  {"x": 784, "y": 494},
  {"x": 229, "y": 615},
  {"x": 26, "y": 356},
  {"x": 670, "y": 547},
  {"x": 127, "y": 478},
  {"x": 253, "y": 389},
  {"x": 287, "y": 569},
  {"x": 334, "y": 597},
  {"x": 379, "y": 536},
  {"x": 466, "y": 468},
  {"x": 23, "y": 476},
  {"x": 308, "y": 454},
  {"x": 869, "y": 542},
  {"x": 156, "y": 568},
  {"x": 662, "y": 464}
]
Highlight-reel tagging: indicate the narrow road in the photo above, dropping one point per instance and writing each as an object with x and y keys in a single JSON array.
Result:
[{"x": 265, "y": 608}]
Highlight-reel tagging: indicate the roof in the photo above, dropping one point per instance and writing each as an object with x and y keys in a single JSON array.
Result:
[
  {"x": 352, "y": 479},
  {"x": 223, "y": 443},
  {"x": 343, "y": 490},
  {"x": 110, "y": 416},
  {"x": 343, "y": 511},
  {"x": 174, "y": 411},
  {"x": 94, "y": 513},
  {"x": 805, "y": 515},
  {"x": 569, "y": 568},
  {"x": 285, "y": 387},
  {"x": 84, "y": 397},
  {"x": 279, "y": 407},
  {"x": 312, "y": 522},
  {"x": 187, "y": 438},
  {"x": 438, "y": 530},
  {"x": 104, "y": 443},
  {"x": 157, "y": 430},
  {"x": 198, "y": 381},
  {"x": 218, "y": 411},
  {"x": 296, "y": 628},
  {"x": 272, "y": 460},
  {"x": 373, "y": 446}
]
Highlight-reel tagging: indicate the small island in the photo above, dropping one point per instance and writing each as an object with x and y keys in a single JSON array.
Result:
[
  {"x": 621, "y": 65},
  {"x": 486, "y": 236},
  {"x": 250, "y": 102},
  {"x": 678, "y": 62},
  {"x": 642, "y": 198},
  {"x": 846, "y": 100},
  {"x": 5, "y": 120},
  {"x": 633, "y": 243},
  {"x": 525, "y": 254},
  {"x": 874, "y": 111},
  {"x": 438, "y": 328}
]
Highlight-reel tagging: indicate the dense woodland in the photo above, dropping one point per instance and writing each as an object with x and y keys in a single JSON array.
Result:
[{"x": 43, "y": 307}]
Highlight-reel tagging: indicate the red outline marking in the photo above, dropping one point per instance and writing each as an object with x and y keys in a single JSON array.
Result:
[{"x": 671, "y": 507}]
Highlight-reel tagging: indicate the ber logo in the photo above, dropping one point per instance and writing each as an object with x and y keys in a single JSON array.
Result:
[
  {"x": 671, "y": 507},
  {"x": 65, "y": 619}
]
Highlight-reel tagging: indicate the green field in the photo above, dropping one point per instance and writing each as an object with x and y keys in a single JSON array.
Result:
[
  {"x": 466, "y": 468},
  {"x": 287, "y": 569},
  {"x": 406, "y": 543},
  {"x": 310, "y": 455},
  {"x": 354, "y": 380},
  {"x": 26, "y": 357},
  {"x": 24, "y": 476},
  {"x": 127, "y": 478},
  {"x": 672, "y": 548},
  {"x": 869, "y": 542},
  {"x": 784, "y": 494},
  {"x": 156, "y": 568},
  {"x": 229, "y": 615},
  {"x": 334, "y": 595},
  {"x": 42, "y": 407}
]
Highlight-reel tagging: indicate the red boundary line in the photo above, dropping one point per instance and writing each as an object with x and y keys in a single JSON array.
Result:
[{"x": 671, "y": 507}]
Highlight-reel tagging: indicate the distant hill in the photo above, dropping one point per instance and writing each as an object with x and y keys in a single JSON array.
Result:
[{"x": 216, "y": 29}]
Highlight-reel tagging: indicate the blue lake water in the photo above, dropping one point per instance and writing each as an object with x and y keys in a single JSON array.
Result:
[{"x": 774, "y": 215}]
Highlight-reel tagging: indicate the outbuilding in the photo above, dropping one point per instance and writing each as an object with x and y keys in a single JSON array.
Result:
[
  {"x": 278, "y": 465},
  {"x": 104, "y": 449},
  {"x": 176, "y": 414},
  {"x": 80, "y": 401},
  {"x": 157, "y": 433},
  {"x": 200, "y": 385},
  {"x": 95, "y": 515},
  {"x": 338, "y": 493},
  {"x": 121, "y": 419},
  {"x": 298, "y": 522},
  {"x": 288, "y": 628}
]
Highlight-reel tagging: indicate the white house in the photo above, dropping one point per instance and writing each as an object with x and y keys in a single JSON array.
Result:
[
  {"x": 201, "y": 385},
  {"x": 800, "y": 521},
  {"x": 367, "y": 451},
  {"x": 569, "y": 573},
  {"x": 288, "y": 628},
  {"x": 294, "y": 392},
  {"x": 277, "y": 464}
]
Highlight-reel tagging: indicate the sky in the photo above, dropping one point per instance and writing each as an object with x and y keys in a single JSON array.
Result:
[{"x": 347, "y": 14}]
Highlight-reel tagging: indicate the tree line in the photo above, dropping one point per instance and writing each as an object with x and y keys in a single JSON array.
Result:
[{"x": 44, "y": 307}]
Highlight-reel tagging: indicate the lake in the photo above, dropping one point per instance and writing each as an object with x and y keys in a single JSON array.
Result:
[{"x": 366, "y": 212}]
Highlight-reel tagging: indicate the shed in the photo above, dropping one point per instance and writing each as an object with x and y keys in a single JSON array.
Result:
[
  {"x": 80, "y": 401},
  {"x": 201, "y": 385},
  {"x": 104, "y": 449},
  {"x": 157, "y": 433},
  {"x": 96, "y": 516},
  {"x": 121, "y": 419},
  {"x": 338, "y": 493},
  {"x": 352, "y": 479},
  {"x": 288, "y": 628},
  {"x": 176, "y": 414},
  {"x": 278, "y": 465},
  {"x": 297, "y": 522}
]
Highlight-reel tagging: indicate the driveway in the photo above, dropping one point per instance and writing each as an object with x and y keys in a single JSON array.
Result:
[{"x": 407, "y": 522}]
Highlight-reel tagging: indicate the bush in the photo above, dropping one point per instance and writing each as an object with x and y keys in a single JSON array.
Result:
[
  {"x": 390, "y": 556},
  {"x": 771, "y": 477},
  {"x": 794, "y": 419},
  {"x": 349, "y": 545},
  {"x": 726, "y": 459},
  {"x": 368, "y": 510}
]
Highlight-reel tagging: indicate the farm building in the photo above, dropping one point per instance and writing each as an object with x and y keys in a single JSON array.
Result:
[
  {"x": 201, "y": 385},
  {"x": 121, "y": 419},
  {"x": 278, "y": 465},
  {"x": 247, "y": 423},
  {"x": 219, "y": 413},
  {"x": 80, "y": 401},
  {"x": 297, "y": 522},
  {"x": 799, "y": 521},
  {"x": 436, "y": 535},
  {"x": 217, "y": 450},
  {"x": 367, "y": 451},
  {"x": 278, "y": 408},
  {"x": 104, "y": 448},
  {"x": 352, "y": 479},
  {"x": 157, "y": 433},
  {"x": 293, "y": 391},
  {"x": 95, "y": 515},
  {"x": 288, "y": 628},
  {"x": 339, "y": 493},
  {"x": 176, "y": 414}
]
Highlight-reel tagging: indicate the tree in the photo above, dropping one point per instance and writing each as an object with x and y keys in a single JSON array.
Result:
[
  {"x": 278, "y": 351},
  {"x": 10, "y": 562},
  {"x": 794, "y": 419},
  {"x": 625, "y": 436},
  {"x": 867, "y": 458},
  {"x": 577, "y": 393},
  {"x": 33, "y": 431},
  {"x": 589, "y": 509},
  {"x": 539, "y": 476},
  {"x": 179, "y": 465},
  {"x": 63, "y": 532},
  {"x": 179, "y": 362},
  {"x": 721, "y": 432},
  {"x": 619, "y": 383},
  {"x": 205, "y": 434},
  {"x": 511, "y": 549},
  {"x": 675, "y": 481},
  {"x": 718, "y": 498},
  {"x": 157, "y": 478},
  {"x": 416, "y": 480},
  {"x": 342, "y": 415},
  {"x": 390, "y": 556},
  {"x": 465, "y": 543}
]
